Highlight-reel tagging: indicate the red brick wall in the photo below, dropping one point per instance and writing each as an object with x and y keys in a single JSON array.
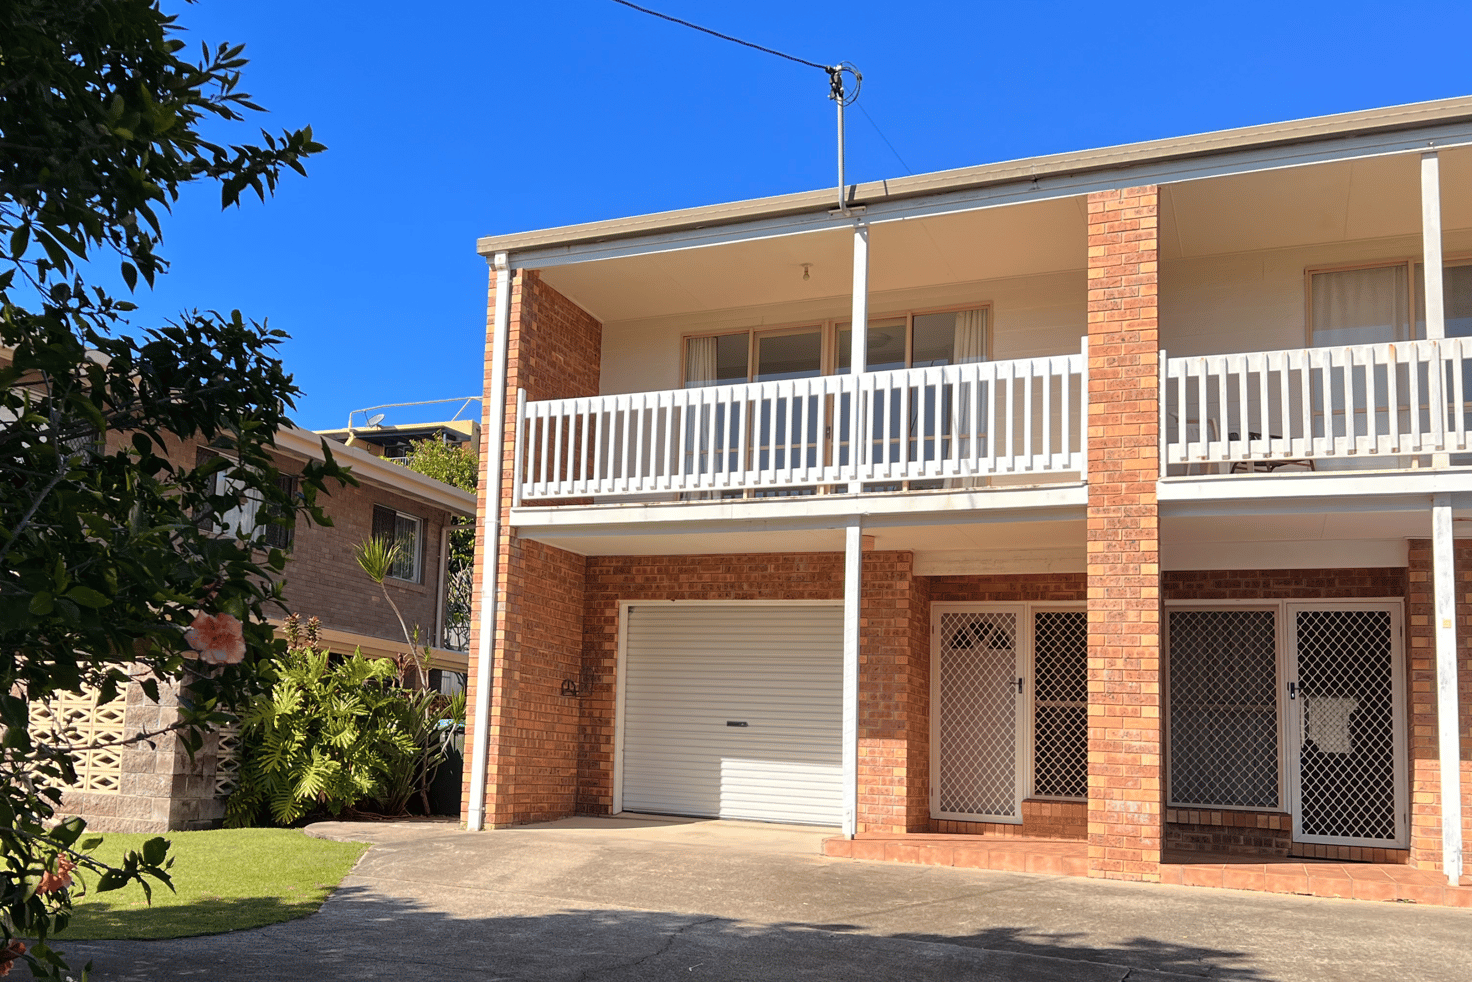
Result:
[
  {"x": 553, "y": 352},
  {"x": 917, "y": 808},
  {"x": 894, "y": 723},
  {"x": 1009, "y": 588},
  {"x": 323, "y": 578},
  {"x": 1285, "y": 584},
  {"x": 1424, "y": 745},
  {"x": 1126, "y": 803}
]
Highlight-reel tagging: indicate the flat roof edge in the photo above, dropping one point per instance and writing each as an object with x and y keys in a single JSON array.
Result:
[{"x": 1314, "y": 129}]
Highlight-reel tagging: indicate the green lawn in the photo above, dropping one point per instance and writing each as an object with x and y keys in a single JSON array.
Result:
[{"x": 227, "y": 879}]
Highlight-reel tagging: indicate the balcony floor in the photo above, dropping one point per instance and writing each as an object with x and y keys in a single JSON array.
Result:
[{"x": 1060, "y": 857}]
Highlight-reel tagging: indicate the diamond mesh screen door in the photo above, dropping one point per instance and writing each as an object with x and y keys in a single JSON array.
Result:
[
  {"x": 1346, "y": 725},
  {"x": 975, "y": 706},
  {"x": 1223, "y": 718},
  {"x": 1060, "y": 733}
]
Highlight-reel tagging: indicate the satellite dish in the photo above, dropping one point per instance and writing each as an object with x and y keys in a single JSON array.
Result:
[{"x": 375, "y": 419}]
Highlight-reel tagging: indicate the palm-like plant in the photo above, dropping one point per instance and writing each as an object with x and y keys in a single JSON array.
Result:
[{"x": 377, "y": 557}]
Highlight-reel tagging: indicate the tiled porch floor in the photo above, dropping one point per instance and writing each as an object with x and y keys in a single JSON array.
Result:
[{"x": 1315, "y": 878}]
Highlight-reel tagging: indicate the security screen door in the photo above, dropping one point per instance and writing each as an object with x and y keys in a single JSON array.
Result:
[
  {"x": 977, "y": 712},
  {"x": 1346, "y": 731}
]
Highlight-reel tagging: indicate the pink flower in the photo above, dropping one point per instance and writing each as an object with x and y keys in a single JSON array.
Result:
[
  {"x": 60, "y": 880},
  {"x": 9, "y": 954},
  {"x": 217, "y": 639}
]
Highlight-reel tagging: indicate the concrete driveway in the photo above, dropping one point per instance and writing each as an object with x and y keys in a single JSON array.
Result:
[{"x": 603, "y": 900}]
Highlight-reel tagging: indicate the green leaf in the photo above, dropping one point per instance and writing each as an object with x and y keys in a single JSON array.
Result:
[
  {"x": 90, "y": 843},
  {"x": 41, "y": 604},
  {"x": 111, "y": 880},
  {"x": 87, "y": 597},
  {"x": 155, "y": 850},
  {"x": 20, "y": 240},
  {"x": 68, "y": 831}
]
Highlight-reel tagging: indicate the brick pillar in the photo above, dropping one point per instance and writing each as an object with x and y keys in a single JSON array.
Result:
[
  {"x": 894, "y": 696},
  {"x": 554, "y": 352},
  {"x": 1126, "y": 805},
  {"x": 1425, "y": 763}
]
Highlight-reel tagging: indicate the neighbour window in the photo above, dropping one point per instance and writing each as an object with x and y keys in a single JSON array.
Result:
[
  {"x": 405, "y": 531},
  {"x": 250, "y": 512}
]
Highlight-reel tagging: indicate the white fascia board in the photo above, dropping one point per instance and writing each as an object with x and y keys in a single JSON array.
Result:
[
  {"x": 305, "y": 444},
  {"x": 1347, "y": 491},
  {"x": 812, "y": 512},
  {"x": 1040, "y": 188}
]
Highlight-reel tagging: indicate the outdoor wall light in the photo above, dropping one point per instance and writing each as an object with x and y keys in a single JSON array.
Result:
[{"x": 569, "y": 688}]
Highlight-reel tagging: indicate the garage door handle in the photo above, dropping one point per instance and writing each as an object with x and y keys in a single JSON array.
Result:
[{"x": 735, "y": 722}]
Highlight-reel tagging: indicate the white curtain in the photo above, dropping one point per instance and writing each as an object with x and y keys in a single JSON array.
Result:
[
  {"x": 700, "y": 362},
  {"x": 970, "y": 336},
  {"x": 1361, "y": 306}
]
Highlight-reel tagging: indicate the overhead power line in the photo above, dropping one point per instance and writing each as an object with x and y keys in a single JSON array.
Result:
[
  {"x": 723, "y": 37},
  {"x": 908, "y": 169}
]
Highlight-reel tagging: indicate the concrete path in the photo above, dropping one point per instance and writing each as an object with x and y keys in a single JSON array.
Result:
[{"x": 606, "y": 900}]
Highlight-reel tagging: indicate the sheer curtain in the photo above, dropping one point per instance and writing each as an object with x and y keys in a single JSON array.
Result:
[
  {"x": 700, "y": 362},
  {"x": 1361, "y": 306},
  {"x": 970, "y": 336}
]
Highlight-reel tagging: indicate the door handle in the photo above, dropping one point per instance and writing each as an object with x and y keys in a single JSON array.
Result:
[
  {"x": 1019, "y": 687},
  {"x": 1292, "y": 690}
]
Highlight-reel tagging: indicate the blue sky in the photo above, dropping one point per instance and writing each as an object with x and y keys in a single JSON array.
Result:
[{"x": 450, "y": 120}]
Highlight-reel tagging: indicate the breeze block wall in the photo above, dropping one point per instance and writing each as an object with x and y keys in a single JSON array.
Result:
[
  {"x": 553, "y": 351},
  {"x": 1424, "y": 745},
  {"x": 1126, "y": 813}
]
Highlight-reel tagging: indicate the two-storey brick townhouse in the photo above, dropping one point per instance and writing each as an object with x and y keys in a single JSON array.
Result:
[{"x": 1113, "y": 497}]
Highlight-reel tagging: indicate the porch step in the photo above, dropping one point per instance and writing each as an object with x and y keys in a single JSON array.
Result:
[
  {"x": 1056, "y": 857},
  {"x": 1348, "y": 881},
  {"x": 1068, "y": 857}
]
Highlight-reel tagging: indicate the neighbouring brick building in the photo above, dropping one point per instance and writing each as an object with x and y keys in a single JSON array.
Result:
[
  {"x": 1132, "y": 532},
  {"x": 157, "y": 786}
]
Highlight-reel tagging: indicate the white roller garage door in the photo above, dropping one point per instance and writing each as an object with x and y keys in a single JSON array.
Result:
[{"x": 734, "y": 711}]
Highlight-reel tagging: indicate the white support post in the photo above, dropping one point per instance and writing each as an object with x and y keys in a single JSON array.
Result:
[
  {"x": 1431, "y": 245},
  {"x": 1435, "y": 298},
  {"x": 853, "y": 568},
  {"x": 1449, "y": 737},
  {"x": 858, "y": 347},
  {"x": 485, "y": 648}
]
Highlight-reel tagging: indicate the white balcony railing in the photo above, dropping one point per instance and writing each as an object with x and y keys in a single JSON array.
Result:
[
  {"x": 1360, "y": 405},
  {"x": 955, "y": 423}
]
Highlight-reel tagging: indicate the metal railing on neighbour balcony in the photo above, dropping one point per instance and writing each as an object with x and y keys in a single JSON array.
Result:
[
  {"x": 932, "y": 427},
  {"x": 1353, "y": 406}
]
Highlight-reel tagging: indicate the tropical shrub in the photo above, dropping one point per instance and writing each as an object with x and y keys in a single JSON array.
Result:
[{"x": 324, "y": 736}]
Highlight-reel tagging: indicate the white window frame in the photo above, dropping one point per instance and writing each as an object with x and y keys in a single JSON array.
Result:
[{"x": 417, "y": 558}]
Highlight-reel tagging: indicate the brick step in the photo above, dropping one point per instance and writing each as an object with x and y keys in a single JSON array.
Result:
[
  {"x": 1050, "y": 856},
  {"x": 1067, "y": 857}
]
